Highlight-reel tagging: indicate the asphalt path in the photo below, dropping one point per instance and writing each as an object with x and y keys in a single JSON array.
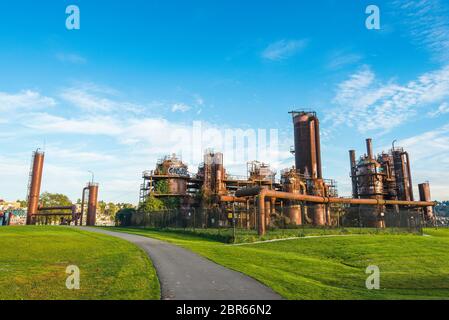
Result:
[{"x": 184, "y": 275}]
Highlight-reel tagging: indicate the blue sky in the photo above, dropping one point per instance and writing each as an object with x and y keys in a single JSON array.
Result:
[{"x": 109, "y": 96}]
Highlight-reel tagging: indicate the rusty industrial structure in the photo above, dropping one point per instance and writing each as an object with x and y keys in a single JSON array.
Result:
[
  {"x": 68, "y": 214},
  {"x": 379, "y": 183}
]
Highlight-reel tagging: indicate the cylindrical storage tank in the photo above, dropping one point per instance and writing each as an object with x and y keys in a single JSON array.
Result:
[
  {"x": 177, "y": 186},
  {"x": 369, "y": 148},
  {"x": 92, "y": 204},
  {"x": 35, "y": 185},
  {"x": 319, "y": 214},
  {"x": 294, "y": 214},
  {"x": 267, "y": 212},
  {"x": 307, "y": 144},
  {"x": 424, "y": 195}
]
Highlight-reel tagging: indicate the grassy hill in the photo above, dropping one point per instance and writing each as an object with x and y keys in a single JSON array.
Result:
[
  {"x": 33, "y": 261},
  {"x": 411, "y": 266}
]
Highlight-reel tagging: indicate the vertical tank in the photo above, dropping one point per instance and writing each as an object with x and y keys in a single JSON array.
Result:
[
  {"x": 403, "y": 175},
  {"x": 34, "y": 186},
  {"x": 424, "y": 195},
  {"x": 307, "y": 143},
  {"x": 353, "y": 173},
  {"x": 92, "y": 204},
  {"x": 291, "y": 182},
  {"x": 308, "y": 157},
  {"x": 214, "y": 173},
  {"x": 370, "y": 185}
]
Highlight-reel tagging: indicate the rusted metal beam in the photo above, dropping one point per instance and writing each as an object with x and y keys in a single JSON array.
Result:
[
  {"x": 232, "y": 199},
  {"x": 265, "y": 193},
  {"x": 319, "y": 199},
  {"x": 55, "y": 208}
]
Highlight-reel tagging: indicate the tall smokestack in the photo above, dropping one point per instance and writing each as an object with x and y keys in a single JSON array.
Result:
[
  {"x": 92, "y": 204},
  {"x": 424, "y": 195},
  {"x": 34, "y": 186},
  {"x": 369, "y": 148},
  {"x": 307, "y": 143},
  {"x": 353, "y": 173}
]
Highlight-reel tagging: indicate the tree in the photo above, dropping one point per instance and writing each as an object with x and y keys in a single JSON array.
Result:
[
  {"x": 123, "y": 216},
  {"x": 111, "y": 210},
  {"x": 102, "y": 207},
  {"x": 162, "y": 187},
  {"x": 48, "y": 199},
  {"x": 22, "y": 203},
  {"x": 151, "y": 204}
]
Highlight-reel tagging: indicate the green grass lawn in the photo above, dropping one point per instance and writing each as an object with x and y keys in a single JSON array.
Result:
[
  {"x": 244, "y": 236},
  {"x": 412, "y": 266},
  {"x": 33, "y": 261}
]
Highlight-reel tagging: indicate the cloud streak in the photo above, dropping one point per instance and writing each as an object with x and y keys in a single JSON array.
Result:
[
  {"x": 369, "y": 104},
  {"x": 427, "y": 23},
  {"x": 24, "y": 100},
  {"x": 283, "y": 49}
]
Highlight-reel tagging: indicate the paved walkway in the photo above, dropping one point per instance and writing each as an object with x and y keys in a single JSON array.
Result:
[{"x": 184, "y": 275}]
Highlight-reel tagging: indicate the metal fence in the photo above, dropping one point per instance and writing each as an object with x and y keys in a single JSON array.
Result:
[{"x": 296, "y": 219}]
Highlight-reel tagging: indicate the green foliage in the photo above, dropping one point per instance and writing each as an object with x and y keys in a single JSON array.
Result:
[
  {"x": 23, "y": 203},
  {"x": 123, "y": 216},
  {"x": 151, "y": 204},
  {"x": 162, "y": 187},
  {"x": 48, "y": 199},
  {"x": 101, "y": 207},
  {"x": 111, "y": 210},
  {"x": 171, "y": 202}
]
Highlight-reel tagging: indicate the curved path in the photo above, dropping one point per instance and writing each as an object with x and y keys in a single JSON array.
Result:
[{"x": 185, "y": 275}]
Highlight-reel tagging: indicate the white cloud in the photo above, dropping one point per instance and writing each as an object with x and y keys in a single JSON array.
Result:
[
  {"x": 71, "y": 58},
  {"x": 93, "y": 98},
  {"x": 431, "y": 147},
  {"x": 111, "y": 143},
  {"x": 442, "y": 109},
  {"x": 341, "y": 58},
  {"x": 283, "y": 49},
  {"x": 47, "y": 123},
  {"x": 24, "y": 100},
  {"x": 369, "y": 104},
  {"x": 181, "y": 107},
  {"x": 427, "y": 22}
]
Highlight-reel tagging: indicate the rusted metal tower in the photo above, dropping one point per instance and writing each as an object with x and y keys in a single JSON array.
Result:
[
  {"x": 308, "y": 158},
  {"x": 92, "y": 203},
  {"x": 424, "y": 195},
  {"x": 34, "y": 185}
]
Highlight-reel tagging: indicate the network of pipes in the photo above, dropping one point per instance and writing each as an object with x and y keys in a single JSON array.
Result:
[{"x": 380, "y": 183}]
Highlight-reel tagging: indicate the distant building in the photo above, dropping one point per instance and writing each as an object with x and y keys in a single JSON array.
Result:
[{"x": 11, "y": 213}]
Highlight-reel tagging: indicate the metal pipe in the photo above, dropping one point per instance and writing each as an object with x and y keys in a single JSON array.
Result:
[
  {"x": 424, "y": 195},
  {"x": 409, "y": 174},
  {"x": 82, "y": 205},
  {"x": 318, "y": 147},
  {"x": 369, "y": 148},
  {"x": 261, "y": 215},
  {"x": 263, "y": 193},
  {"x": 35, "y": 185},
  {"x": 92, "y": 204},
  {"x": 322, "y": 199},
  {"x": 232, "y": 199},
  {"x": 353, "y": 173},
  {"x": 55, "y": 208}
]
